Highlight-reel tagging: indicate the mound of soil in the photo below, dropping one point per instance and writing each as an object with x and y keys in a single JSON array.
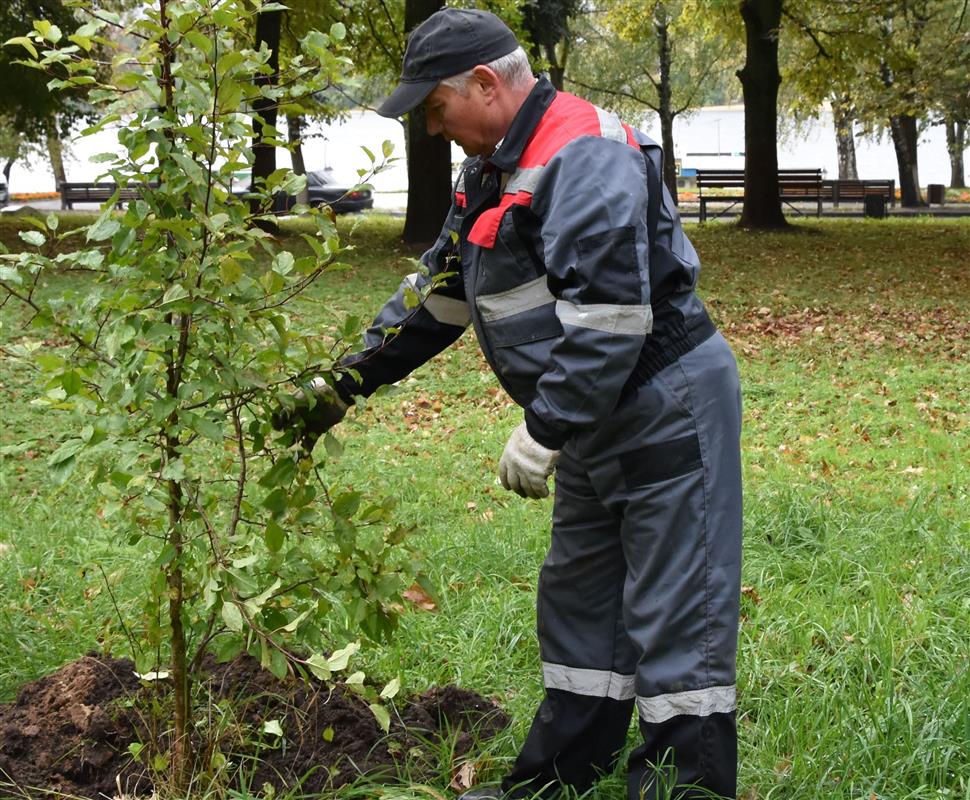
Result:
[{"x": 69, "y": 732}]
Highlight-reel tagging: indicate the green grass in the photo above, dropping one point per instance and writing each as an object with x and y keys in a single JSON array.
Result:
[{"x": 852, "y": 337}]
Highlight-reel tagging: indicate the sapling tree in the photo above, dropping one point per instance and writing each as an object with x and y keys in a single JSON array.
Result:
[{"x": 178, "y": 311}]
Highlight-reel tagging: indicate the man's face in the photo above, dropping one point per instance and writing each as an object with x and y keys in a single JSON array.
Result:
[{"x": 460, "y": 117}]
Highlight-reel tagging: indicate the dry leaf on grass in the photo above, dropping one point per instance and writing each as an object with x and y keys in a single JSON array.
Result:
[
  {"x": 464, "y": 776},
  {"x": 420, "y": 598}
]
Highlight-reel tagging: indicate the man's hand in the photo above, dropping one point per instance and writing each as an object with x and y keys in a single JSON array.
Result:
[
  {"x": 313, "y": 413},
  {"x": 526, "y": 465}
]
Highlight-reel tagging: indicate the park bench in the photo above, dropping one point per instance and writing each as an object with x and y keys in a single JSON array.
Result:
[
  {"x": 856, "y": 191},
  {"x": 794, "y": 185},
  {"x": 72, "y": 193}
]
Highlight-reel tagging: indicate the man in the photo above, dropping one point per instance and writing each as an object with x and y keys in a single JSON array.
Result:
[{"x": 565, "y": 252}]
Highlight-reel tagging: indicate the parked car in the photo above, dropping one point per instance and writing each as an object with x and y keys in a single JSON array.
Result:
[
  {"x": 4, "y": 194},
  {"x": 322, "y": 189}
]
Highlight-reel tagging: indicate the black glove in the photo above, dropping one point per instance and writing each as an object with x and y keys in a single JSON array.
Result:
[{"x": 314, "y": 412}]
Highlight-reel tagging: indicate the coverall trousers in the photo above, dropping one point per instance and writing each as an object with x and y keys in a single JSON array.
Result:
[{"x": 639, "y": 595}]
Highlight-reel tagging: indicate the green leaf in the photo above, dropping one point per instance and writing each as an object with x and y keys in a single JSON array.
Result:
[
  {"x": 71, "y": 383},
  {"x": 276, "y": 502},
  {"x": 318, "y": 666},
  {"x": 36, "y": 238},
  {"x": 53, "y": 221},
  {"x": 340, "y": 658},
  {"x": 346, "y": 504},
  {"x": 328, "y": 734},
  {"x": 104, "y": 228},
  {"x": 232, "y": 616},
  {"x": 24, "y": 42},
  {"x": 173, "y": 294},
  {"x": 10, "y": 275},
  {"x": 274, "y": 536},
  {"x": 283, "y": 263},
  {"x": 391, "y": 689},
  {"x": 229, "y": 270},
  {"x": 333, "y": 445},
  {"x": 273, "y": 727},
  {"x": 338, "y": 31},
  {"x": 382, "y": 715},
  {"x": 387, "y": 148},
  {"x": 277, "y": 664}
]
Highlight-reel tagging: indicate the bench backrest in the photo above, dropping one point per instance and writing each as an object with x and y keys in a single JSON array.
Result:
[{"x": 734, "y": 178}]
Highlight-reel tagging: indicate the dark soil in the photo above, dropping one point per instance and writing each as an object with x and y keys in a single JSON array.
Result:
[{"x": 69, "y": 732}]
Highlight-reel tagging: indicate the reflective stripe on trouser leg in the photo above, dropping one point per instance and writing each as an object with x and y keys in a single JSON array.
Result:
[
  {"x": 588, "y": 661},
  {"x": 671, "y": 460}
]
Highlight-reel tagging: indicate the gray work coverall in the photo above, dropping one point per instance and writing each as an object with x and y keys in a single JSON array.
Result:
[{"x": 570, "y": 262}]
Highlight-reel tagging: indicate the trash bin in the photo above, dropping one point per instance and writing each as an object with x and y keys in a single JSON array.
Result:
[
  {"x": 874, "y": 205},
  {"x": 935, "y": 194}
]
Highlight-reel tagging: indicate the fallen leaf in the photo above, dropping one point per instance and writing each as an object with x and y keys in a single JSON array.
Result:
[
  {"x": 420, "y": 598},
  {"x": 751, "y": 593},
  {"x": 5, "y": 547},
  {"x": 464, "y": 777}
]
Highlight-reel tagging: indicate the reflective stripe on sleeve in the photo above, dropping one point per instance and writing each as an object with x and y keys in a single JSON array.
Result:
[
  {"x": 590, "y": 682},
  {"x": 610, "y": 125},
  {"x": 632, "y": 320},
  {"x": 695, "y": 703},
  {"x": 446, "y": 310},
  {"x": 514, "y": 301},
  {"x": 523, "y": 179}
]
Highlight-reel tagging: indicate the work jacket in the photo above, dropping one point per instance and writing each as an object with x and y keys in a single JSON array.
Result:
[{"x": 565, "y": 252}]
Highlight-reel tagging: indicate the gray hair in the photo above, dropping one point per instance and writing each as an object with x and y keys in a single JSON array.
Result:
[{"x": 513, "y": 69}]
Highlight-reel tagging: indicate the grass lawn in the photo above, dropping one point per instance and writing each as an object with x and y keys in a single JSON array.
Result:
[{"x": 854, "y": 666}]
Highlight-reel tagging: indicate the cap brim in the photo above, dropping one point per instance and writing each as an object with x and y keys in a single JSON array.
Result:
[{"x": 406, "y": 97}]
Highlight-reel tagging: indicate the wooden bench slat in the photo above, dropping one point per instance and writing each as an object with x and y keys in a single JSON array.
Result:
[
  {"x": 86, "y": 192},
  {"x": 793, "y": 184}
]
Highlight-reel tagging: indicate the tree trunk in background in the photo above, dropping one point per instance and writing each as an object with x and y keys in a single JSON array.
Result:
[
  {"x": 294, "y": 134},
  {"x": 6, "y": 171},
  {"x": 665, "y": 96},
  {"x": 557, "y": 71},
  {"x": 264, "y": 155},
  {"x": 903, "y": 128},
  {"x": 844, "y": 120},
  {"x": 760, "y": 80},
  {"x": 55, "y": 153},
  {"x": 429, "y": 157},
  {"x": 956, "y": 143}
]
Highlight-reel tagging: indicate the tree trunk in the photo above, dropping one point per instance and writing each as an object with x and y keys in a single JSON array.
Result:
[
  {"x": 665, "y": 97},
  {"x": 844, "y": 119},
  {"x": 6, "y": 171},
  {"x": 903, "y": 128},
  {"x": 294, "y": 133},
  {"x": 55, "y": 153},
  {"x": 760, "y": 80},
  {"x": 557, "y": 71},
  {"x": 268, "y": 25},
  {"x": 181, "y": 680},
  {"x": 429, "y": 157},
  {"x": 956, "y": 143}
]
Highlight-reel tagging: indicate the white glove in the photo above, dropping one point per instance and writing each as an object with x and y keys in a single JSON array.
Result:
[{"x": 526, "y": 465}]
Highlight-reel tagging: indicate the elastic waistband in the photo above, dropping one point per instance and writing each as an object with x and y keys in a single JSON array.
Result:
[{"x": 672, "y": 337}]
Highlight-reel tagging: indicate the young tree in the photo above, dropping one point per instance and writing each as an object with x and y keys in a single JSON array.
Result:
[{"x": 183, "y": 342}]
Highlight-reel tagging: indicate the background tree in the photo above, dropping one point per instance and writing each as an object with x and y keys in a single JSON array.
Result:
[
  {"x": 760, "y": 79},
  {"x": 547, "y": 25},
  {"x": 663, "y": 56}
]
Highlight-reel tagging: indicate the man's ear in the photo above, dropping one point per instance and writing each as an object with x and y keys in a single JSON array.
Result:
[{"x": 487, "y": 80}]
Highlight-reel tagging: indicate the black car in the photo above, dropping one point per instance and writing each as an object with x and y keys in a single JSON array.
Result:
[{"x": 322, "y": 189}]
